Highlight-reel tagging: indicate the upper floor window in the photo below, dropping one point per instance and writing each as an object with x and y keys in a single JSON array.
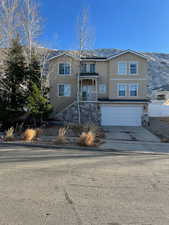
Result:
[
  {"x": 83, "y": 68},
  {"x": 122, "y": 68},
  {"x": 64, "y": 90},
  {"x": 133, "y": 68},
  {"x": 102, "y": 88},
  {"x": 133, "y": 89},
  {"x": 87, "y": 68},
  {"x": 64, "y": 68},
  {"x": 122, "y": 89},
  {"x": 92, "y": 68}
]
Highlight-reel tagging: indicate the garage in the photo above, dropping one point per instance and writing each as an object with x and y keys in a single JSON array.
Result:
[{"x": 121, "y": 115}]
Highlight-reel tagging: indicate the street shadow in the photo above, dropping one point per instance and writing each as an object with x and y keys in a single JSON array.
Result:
[{"x": 12, "y": 153}]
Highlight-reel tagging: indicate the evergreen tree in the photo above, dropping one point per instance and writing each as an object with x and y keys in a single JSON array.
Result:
[
  {"x": 34, "y": 70},
  {"x": 37, "y": 101},
  {"x": 37, "y": 104},
  {"x": 14, "y": 79}
]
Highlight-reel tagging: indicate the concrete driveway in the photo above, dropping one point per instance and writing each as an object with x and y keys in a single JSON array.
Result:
[
  {"x": 67, "y": 187},
  {"x": 117, "y": 133}
]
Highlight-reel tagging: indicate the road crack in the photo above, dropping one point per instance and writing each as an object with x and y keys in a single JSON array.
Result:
[{"x": 72, "y": 205}]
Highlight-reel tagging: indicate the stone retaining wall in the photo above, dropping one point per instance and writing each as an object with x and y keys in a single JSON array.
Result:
[{"x": 90, "y": 112}]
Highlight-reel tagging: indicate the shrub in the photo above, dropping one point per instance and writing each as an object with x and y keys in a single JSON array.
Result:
[
  {"x": 61, "y": 138},
  {"x": 30, "y": 134},
  {"x": 87, "y": 139},
  {"x": 9, "y": 135}
]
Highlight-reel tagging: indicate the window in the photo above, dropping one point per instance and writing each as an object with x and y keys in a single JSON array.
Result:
[
  {"x": 87, "y": 68},
  {"x": 122, "y": 89},
  {"x": 133, "y": 68},
  {"x": 83, "y": 68},
  {"x": 102, "y": 88},
  {"x": 133, "y": 90},
  {"x": 122, "y": 68},
  {"x": 92, "y": 68},
  {"x": 64, "y": 90},
  {"x": 64, "y": 68}
]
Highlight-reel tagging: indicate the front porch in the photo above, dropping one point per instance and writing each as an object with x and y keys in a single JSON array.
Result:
[{"x": 88, "y": 89}]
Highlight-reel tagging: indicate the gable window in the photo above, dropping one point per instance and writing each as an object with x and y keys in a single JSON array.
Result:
[
  {"x": 122, "y": 89},
  {"x": 64, "y": 90},
  {"x": 64, "y": 68},
  {"x": 102, "y": 88},
  {"x": 122, "y": 68},
  {"x": 133, "y": 89},
  {"x": 92, "y": 68},
  {"x": 133, "y": 68}
]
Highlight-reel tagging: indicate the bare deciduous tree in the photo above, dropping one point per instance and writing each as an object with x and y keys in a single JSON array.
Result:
[
  {"x": 31, "y": 22},
  {"x": 19, "y": 18},
  {"x": 9, "y": 21},
  {"x": 85, "y": 40}
]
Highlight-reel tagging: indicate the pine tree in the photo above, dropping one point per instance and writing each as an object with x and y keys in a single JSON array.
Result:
[
  {"x": 37, "y": 104},
  {"x": 14, "y": 80},
  {"x": 37, "y": 101},
  {"x": 34, "y": 70}
]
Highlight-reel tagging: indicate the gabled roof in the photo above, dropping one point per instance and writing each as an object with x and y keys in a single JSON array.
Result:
[
  {"x": 128, "y": 51},
  {"x": 63, "y": 54},
  {"x": 95, "y": 58}
]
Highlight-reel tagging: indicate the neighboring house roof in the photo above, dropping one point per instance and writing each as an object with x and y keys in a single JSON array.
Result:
[{"x": 90, "y": 55}]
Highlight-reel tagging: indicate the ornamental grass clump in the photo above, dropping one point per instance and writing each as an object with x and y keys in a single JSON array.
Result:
[
  {"x": 31, "y": 134},
  {"x": 87, "y": 139},
  {"x": 9, "y": 134},
  {"x": 98, "y": 131}
]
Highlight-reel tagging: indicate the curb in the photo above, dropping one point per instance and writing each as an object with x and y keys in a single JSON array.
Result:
[
  {"x": 78, "y": 148},
  {"x": 54, "y": 146}
]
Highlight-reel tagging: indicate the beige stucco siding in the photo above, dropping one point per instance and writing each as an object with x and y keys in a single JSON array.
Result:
[
  {"x": 140, "y": 78},
  {"x": 55, "y": 79},
  {"x": 128, "y": 57},
  {"x": 113, "y": 89},
  {"x": 107, "y": 74},
  {"x": 102, "y": 69}
]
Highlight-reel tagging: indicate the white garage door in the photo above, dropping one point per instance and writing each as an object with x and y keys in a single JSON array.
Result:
[{"x": 121, "y": 116}]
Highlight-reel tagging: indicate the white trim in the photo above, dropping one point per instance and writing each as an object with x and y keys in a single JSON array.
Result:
[
  {"x": 129, "y": 85},
  {"x": 122, "y": 62},
  {"x": 133, "y": 62},
  {"x": 64, "y": 62},
  {"x": 126, "y": 86},
  {"x": 128, "y": 79},
  {"x": 128, "y": 51},
  {"x": 64, "y": 84},
  {"x": 62, "y": 54},
  {"x": 109, "y": 58}
]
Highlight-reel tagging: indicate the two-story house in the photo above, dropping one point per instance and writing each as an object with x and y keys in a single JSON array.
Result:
[{"x": 116, "y": 84}]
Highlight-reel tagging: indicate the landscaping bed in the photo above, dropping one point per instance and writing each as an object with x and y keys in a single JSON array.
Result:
[{"x": 87, "y": 135}]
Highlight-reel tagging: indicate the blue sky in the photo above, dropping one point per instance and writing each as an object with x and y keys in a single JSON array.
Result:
[{"x": 141, "y": 25}]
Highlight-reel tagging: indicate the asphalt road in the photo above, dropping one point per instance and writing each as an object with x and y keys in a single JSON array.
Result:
[{"x": 68, "y": 187}]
